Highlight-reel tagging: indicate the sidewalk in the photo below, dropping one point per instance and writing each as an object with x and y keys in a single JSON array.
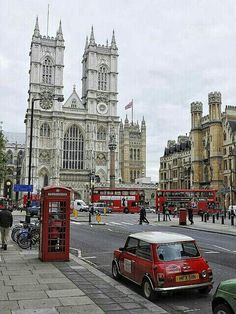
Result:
[
  {"x": 208, "y": 226},
  {"x": 29, "y": 286}
]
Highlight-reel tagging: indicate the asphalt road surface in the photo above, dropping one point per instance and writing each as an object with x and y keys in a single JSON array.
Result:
[{"x": 96, "y": 244}]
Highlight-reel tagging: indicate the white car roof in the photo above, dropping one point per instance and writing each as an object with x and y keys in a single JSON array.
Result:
[{"x": 160, "y": 237}]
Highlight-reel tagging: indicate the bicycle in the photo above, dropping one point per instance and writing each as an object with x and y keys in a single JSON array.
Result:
[{"x": 28, "y": 238}]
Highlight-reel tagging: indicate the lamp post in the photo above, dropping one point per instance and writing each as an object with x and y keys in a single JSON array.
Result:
[
  {"x": 112, "y": 147},
  {"x": 46, "y": 101}
]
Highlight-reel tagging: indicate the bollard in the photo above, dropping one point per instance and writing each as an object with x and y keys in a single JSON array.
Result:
[
  {"x": 75, "y": 213},
  {"x": 159, "y": 216},
  {"x": 222, "y": 220},
  {"x": 89, "y": 218},
  {"x": 232, "y": 220},
  {"x": 205, "y": 217},
  {"x": 104, "y": 211},
  {"x": 208, "y": 215},
  {"x": 217, "y": 216},
  {"x": 213, "y": 218},
  {"x": 98, "y": 217}
]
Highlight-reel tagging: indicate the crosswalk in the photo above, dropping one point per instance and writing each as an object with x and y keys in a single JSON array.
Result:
[{"x": 113, "y": 223}]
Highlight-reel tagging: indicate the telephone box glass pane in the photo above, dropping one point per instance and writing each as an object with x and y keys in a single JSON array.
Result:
[{"x": 56, "y": 226}]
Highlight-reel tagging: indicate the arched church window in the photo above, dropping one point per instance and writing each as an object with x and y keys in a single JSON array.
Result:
[
  {"x": 45, "y": 130},
  {"x": 47, "y": 71},
  {"x": 102, "y": 78},
  {"x": 45, "y": 180},
  {"x": 101, "y": 135},
  {"x": 73, "y": 150},
  {"x": 138, "y": 153},
  {"x": 224, "y": 136},
  {"x": 131, "y": 153},
  {"x": 9, "y": 157},
  {"x": 134, "y": 154}
]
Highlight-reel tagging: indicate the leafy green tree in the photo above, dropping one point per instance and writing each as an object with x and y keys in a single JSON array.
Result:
[{"x": 3, "y": 157}]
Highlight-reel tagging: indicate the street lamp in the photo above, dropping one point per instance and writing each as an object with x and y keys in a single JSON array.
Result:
[{"x": 46, "y": 101}]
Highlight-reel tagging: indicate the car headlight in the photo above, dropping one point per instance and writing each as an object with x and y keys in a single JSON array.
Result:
[{"x": 204, "y": 274}]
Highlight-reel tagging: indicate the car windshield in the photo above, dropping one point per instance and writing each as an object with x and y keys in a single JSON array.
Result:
[{"x": 177, "y": 251}]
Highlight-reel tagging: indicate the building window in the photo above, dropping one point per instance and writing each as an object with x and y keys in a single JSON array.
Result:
[
  {"x": 73, "y": 150},
  {"x": 9, "y": 157},
  {"x": 73, "y": 103},
  {"x": 131, "y": 153},
  {"x": 45, "y": 130},
  {"x": 134, "y": 154},
  {"x": 224, "y": 136},
  {"x": 47, "y": 71},
  {"x": 225, "y": 164},
  {"x": 45, "y": 180},
  {"x": 101, "y": 135},
  {"x": 102, "y": 78},
  {"x": 138, "y": 152}
]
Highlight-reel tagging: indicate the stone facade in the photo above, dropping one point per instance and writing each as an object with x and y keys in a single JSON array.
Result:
[
  {"x": 210, "y": 160},
  {"x": 132, "y": 150},
  {"x": 70, "y": 140},
  {"x": 175, "y": 165}
]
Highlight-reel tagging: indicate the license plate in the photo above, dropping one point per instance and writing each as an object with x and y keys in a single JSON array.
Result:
[{"x": 187, "y": 277}]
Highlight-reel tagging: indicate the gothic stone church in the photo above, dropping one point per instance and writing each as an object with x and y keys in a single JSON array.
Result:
[{"x": 70, "y": 140}]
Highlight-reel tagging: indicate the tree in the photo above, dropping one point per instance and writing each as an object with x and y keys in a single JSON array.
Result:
[{"x": 3, "y": 157}]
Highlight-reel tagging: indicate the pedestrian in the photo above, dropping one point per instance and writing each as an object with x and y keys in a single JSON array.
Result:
[
  {"x": 6, "y": 221},
  {"x": 142, "y": 216},
  {"x": 167, "y": 212},
  {"x": 175, "y": 212},
  {"x": 190, "y": 214}
]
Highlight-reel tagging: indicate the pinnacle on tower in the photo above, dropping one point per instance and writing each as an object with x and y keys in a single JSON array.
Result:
[
  {"x": 36, "y": 28},
  {"x": 113, "y": 41},
  {"x": 59, "y": 35},
  {"x": 86, "y": 44},
  {"x": 143, "y": 122},
  {"x": 92, "y": 39}
]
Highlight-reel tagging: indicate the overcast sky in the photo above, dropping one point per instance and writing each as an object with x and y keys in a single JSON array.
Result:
[{"x": 171, "y": 52}]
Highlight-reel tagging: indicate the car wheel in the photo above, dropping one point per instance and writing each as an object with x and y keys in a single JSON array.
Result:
[
  {"x": 148, "y": 292},
  {"x": 115, "y": 272},
  {"x": 126, "y": 210},
  {"x": 205, "y": 290},
  {"x": 222, "y": 309}
]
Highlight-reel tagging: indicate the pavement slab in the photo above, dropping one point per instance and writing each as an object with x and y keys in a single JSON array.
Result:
[
  {"x": 82, "y": 309},
  {"x": 36, "y": 311},
  {"x": 39, "y": 304},
  {"x": 64, "y": 293},
  {"x": 76, "y": 300}
]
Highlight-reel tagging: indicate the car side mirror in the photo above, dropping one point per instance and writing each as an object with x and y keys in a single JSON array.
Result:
[{"x": 121, "y": 249}]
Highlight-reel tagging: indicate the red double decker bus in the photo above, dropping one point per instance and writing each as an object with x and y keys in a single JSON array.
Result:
[
  {"x": 201, "y": 200},
  {"x": 125, "y": 200}
]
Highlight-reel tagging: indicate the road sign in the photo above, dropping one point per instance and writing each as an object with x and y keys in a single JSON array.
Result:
[{"x": 23, "y": 188}]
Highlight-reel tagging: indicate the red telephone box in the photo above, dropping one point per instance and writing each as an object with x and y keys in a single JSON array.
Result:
[{"x": 55, "y": 224}]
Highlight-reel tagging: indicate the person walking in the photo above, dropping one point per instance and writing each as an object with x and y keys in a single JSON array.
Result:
[
  {"x": 190, "y": 214},
  {"x": 142, "y": 216},
  {"x": 6, "y": 221},
  {"x": 167, "y": 213}
]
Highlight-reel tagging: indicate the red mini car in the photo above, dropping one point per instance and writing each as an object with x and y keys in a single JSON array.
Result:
[{"x": 162, "y": 262}]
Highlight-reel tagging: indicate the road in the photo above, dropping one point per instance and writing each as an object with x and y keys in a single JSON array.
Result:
[{"x": 97, "y": 242}]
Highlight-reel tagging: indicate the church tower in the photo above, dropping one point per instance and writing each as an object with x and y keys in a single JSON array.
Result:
[
  {"x": 45, "y": 76},
  {"x": 99, "y": 98},
  {"x": 196, "y": 144},
  {"x": 216, "y": 139},
  {"x": 132, "y": 150}
]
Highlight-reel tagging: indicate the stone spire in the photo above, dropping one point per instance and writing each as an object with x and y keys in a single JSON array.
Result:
[
  {"x": 92, "y": 39},
  {"x": 59, "y": 35},
  {"x": 143, "y": 123},
  {"x": 36, "y": 28},
  {"x": 113, "y": 41}
]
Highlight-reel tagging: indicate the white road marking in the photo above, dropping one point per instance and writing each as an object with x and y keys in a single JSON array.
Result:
[
  {"x": 222, "y": 248},
  {"x": 211, "y": 252},
  {"x": 76, "y": 222},
  {"x": 126, "y": 223},
  {"x": 0, "y": 259},
  {"x": 90, "y": 257},
  {"x": 115, "y": 223},
  {"x": 109, "y": 229}
]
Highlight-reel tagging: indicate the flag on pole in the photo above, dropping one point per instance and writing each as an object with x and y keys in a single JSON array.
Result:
[{"x": 130, "y": 105}]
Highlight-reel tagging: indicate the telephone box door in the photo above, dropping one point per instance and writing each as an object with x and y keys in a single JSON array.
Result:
[{"x": 55, "y": 224}]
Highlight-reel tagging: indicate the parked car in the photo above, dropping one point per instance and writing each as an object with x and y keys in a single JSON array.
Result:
[
  {"x": 80, "y": 205},
  {"x": 224, "y": 298},
  {"x": 34, "y": 211},
  {"x": 99, "y": 208},
  {"x": 162, "y": 262}
]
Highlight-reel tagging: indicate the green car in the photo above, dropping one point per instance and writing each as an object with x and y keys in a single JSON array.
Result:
[{"x": 224, "y": 299}]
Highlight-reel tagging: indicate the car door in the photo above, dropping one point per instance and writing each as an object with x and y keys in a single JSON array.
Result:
[
  {"x": 128, "y": 258},
  {"x": 144, "y": 263}
]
